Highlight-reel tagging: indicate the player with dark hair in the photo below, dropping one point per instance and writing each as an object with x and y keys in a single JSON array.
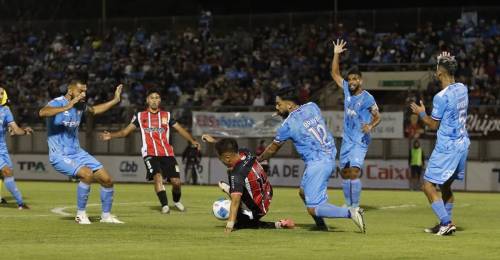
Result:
[
  {"x": 249, "y": 187},
  {"x": 64, "y": 115},
  {"x": 306, "y": 127},
  {"x": 158, "y": 153},
  {"x": 361, "y": 115},
  {"x": 8, "y": 124},
  {"x": 448, "y": 159}
]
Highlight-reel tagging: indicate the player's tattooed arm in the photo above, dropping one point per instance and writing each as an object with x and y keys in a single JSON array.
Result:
[
  {"x": 375, "y": 120},
  {"x": 49, "y": 111},
  {"x": 101, "y": 108},
  {"x": 338, "y": 48},
  {"x": 271, "y": 149},
  {"x": 420, "y": 111}
]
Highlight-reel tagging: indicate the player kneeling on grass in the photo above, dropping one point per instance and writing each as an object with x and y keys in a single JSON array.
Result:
[{"x": 249, "y": 188}]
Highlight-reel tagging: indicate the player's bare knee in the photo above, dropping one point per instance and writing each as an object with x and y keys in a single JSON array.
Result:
[
  {"x": 6, "y": 172},
  {"x": 345, "y": 173},
  {"x": 176, "y": 182},
  {"x": 354, "y": 173},
  {"x": 85, "y": 175},
  {"x": 311, "y": 211}
]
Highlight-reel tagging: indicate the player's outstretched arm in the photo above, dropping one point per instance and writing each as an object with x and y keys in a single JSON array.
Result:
[
  {"x": 420, "y": 111},
  {"x": 184, "y": 133},
  {"x": 208, "y": 138},
  {"x": 233, "y": 211},
  {"x": 338, "y": 48},
  {"x": 101, "y": 108},
  {"x": 49, "y": 111},
  {"x": 14, "y": 129},
  {"x": 105, "y": 135},
  {"x": 271, "y": 149}
]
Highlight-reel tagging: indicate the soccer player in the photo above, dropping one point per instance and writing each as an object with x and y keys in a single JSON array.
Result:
[
  {"x": 306, "y": 127},
  {"x": 249, "y": 188},
  {"x": 158, "y": 153},
  {"x": 8, "y": 124},
  {"x": 63, "y": 115},
  {"x": 447, "y": 161},
  {"x": 361, "y": 115}
]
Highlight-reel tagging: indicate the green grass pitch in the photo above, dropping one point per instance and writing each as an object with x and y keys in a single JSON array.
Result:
[{"x": 395, "y": 220}]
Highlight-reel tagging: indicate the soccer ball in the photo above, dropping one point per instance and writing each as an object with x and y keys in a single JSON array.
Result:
[{"x": 221, "y": 208}]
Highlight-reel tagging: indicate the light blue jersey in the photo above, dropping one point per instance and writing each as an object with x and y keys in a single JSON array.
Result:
[
  {"x": 65, "y": 153},
  {"x": 6, "y": 118},
  {"x": 357, "y": 112},
  {"x": 307, "y": 129},
  {"x": 62, "y": 128},
  {"x": 450, "y": 153}
]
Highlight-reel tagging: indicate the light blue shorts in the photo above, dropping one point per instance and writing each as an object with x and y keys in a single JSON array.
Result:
[
  {"x": 315, "y": 181},
  {"x": 5, "y": 160},
  {"x": 352, "y": 155},
  {"x": 70, "y": 164},
  {"x": 444, "y": 165}
]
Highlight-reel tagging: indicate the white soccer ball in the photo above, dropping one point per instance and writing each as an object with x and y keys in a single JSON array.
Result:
[{"x": 221, "y": 208}]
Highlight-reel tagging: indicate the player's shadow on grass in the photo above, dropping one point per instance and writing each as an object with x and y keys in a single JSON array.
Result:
[
  {"x": 313, "y": 228},
  {"x": 91, "y": 218}
]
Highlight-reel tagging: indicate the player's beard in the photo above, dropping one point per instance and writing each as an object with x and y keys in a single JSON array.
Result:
[
  {"x": 283, "y": 115},
  {"x": 353, "y": 89},
  {"x": 80, "y": 105}
]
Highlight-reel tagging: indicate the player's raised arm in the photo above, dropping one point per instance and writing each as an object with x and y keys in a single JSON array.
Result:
[
  {"x": 101, "y": 108},
  {"x": 105, "y": 135},
  {"x": 208, "y": 138},
  {"x": 49, "y": 111},
  {"x": 184, "y": 133},
  {"x": 338, "y": 48}
]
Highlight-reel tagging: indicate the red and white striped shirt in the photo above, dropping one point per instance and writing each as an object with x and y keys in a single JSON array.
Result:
[{"x": 155, "y": 132}]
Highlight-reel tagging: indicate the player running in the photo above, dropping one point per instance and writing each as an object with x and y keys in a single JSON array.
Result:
[
  {"x": 306, "y": 127},
  {"x": 9, "y": 125},
  {"x": 64, "y": 115},
  {"x": 361, "y": 115},
  {"x": 249, "y": 188},
  {"x": 448, "y": 159},
  {"x": 158, "y": 153}
]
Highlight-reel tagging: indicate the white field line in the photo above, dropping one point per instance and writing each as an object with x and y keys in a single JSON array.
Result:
[{"x": 61, "y": 210}]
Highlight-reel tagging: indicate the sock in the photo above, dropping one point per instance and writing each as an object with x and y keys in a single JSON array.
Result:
[
  {"x": 320, "y": 222},
  {"x": 1, "y": 186},
  {"x": 440, "y": 211},
  {"x": 328, "y": 210},
  {"x": 82, "y": 195},
  {"x": 10, "y": 183},
  {"x": 162, "y": 196},
  {"x": 346, "y": 187},
  {"x": 449, "y": 208},
  {"x": 176, "y": 194},
  {"x": 356, "y": 192},
  {"x": 107, "y": 199}
]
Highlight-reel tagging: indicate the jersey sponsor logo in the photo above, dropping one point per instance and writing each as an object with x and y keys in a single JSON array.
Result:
[
  {"x": 71, "y": 123},
  {"x": 154, "y": 129},
  {"x": 351, "y": 112}
]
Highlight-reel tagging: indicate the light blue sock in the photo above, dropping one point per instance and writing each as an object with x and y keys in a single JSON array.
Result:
[
  {"x": 449, "y": 208},
  {"x": 107, "y": 199},
  {"x": 440, "y": 211},
  {"x": 10, "y": 183},
  {"x": 82, "y": 195},
  {"x": 356, "y": 192},
  {"x": 346, "y": 187},
  {"x": 328, "y": 210}
]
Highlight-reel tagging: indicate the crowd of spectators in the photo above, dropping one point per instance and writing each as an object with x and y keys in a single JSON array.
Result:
[{"x": 238, "y": 68}]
